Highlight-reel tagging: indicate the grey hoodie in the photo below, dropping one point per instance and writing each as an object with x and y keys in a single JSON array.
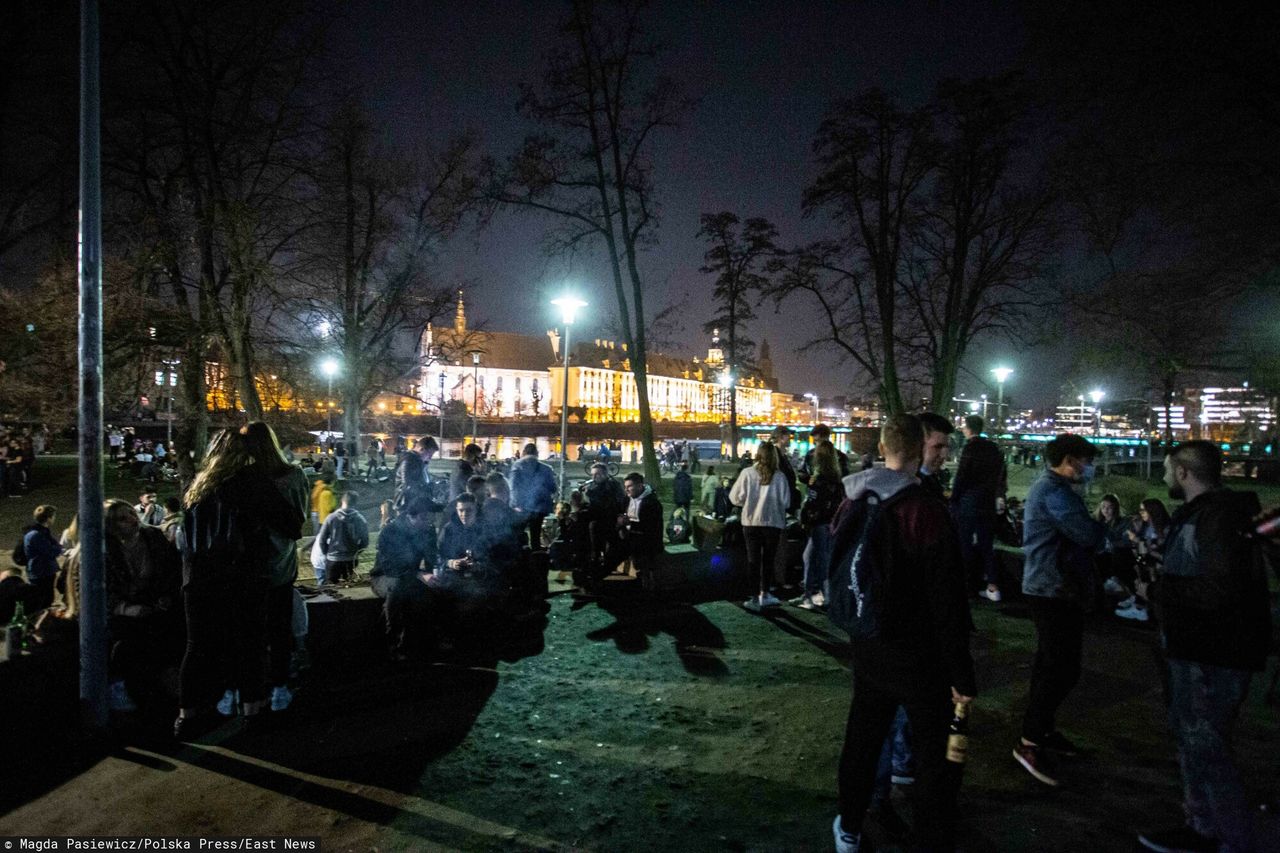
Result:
[
  {"x": 343, "y": 535},
  {"x": 884, "y": 482}
]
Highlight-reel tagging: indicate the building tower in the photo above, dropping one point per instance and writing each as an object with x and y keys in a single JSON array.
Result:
[
  {"x": 460, "y": 317},
  {"x": 765, "y": 363}
]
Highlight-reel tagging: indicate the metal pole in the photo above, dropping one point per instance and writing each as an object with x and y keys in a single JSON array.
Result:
[
  {"x": 1000, "y": 406},
  {"x": 442, "y": 413},
  {"x": 93, "y": 592},
  {"x": 475, "y": 390},
  {"x": 168, "y": 427},
  {"x": 328, "y": 412},
  {"x": 564, "y": 411}
]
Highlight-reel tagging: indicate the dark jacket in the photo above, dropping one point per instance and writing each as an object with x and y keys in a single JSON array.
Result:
[
  {"x": 805, "y": 474},
  {"x": 403, "y": 551},
  {"x": 605, "y": 501},
  {"x": 682, "y": 489},
  {"x": 42, "y": 552},
  {"x": 413, "y": 481},
  {"x": 923, "y": 645},
  {"x": 143, "y": 590},
  {"x": 344, "y": 535},
  {"x": 1212, "y": 593},
  {"x": 1059, "y": 539},
  {"x": 458, "y": 480},
  {"x": 283, "y": 555},
  {"x": 784, "y": 466},
  {"x": 502, "y": 528},
  {"x": 533, "y": 486},
  {"x": 231, "y": 529},
  {"x": 980, "y": 477},
  {"x": 645, "y": 536},
  {"x": 932, "y": 484}
]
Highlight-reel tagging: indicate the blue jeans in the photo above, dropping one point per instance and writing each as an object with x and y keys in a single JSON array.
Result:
[
  {"x": 1204, "y": 704},
  {"x": 895, "y": 758},
  {"x": 817, "y": 559}
]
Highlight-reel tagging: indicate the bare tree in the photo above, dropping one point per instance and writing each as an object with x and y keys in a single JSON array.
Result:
[
  {"x": 875, "y": 159},
  {"x": 592, "y": 172},
  {"x": 738, "y": 259},
  {"x": 384, "y": 216},
  {"x": 981, "y": 233}
]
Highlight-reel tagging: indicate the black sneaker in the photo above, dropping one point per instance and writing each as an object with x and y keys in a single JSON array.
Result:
[
  {"x": 1055, "y": 742},
  {"x": 1181, "y": 839},
  {"x": 1036, "y": 762}
]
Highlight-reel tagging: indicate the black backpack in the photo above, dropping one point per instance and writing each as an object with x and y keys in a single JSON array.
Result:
[
  {"x": 19, "y": 555},
  {"x": 859, "y": 572},
  {"x": 821, "y": 503}
]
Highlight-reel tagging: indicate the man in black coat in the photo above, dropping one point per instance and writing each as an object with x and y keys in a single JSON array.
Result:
[
  {"x": 980, "y": 479},
  {"x": 937, "y": 447}
]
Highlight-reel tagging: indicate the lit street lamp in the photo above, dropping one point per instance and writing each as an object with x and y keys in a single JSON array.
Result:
[
  {"x": 441, "y": 411},
  {"x": 329, "y": 367},
  {"x": 568, "y": 306},
  {"x": 1001, "y": 374},
  {"x": 814, "y": 397},
  {"x": 1096, "y": 396},
  {"x": 475, "y": 391},
  {"x": 726, "y": 382}
]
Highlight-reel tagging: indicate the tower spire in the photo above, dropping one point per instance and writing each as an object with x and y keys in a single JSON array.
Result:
[{"x": 460, "y": 316}]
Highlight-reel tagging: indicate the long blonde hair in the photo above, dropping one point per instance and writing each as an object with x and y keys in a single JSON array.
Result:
[
  {"x": 227, "y": 455},
  {"x": 766, "y": 463},
  {"x": 824, "y": 461}
]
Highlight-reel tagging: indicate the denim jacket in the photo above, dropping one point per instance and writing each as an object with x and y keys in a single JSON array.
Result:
[{"x": 1059, "y": 540}]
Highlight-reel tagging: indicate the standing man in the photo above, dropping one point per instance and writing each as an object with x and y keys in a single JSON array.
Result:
[
  {"x": 919, "y": 656},
  {"x": 980, "y": 479},
  {"x": 707, "y": 497},
  {"x": 640, "y": 528},
  {"x": 820, "y": 433},
  {"x": 1216, "y": 628},
  {"x": 1059, "y": 541},
  {"x": 533, "y": 492},
  {"x": 606, "y": 500},
  {"x": 937, "y": 448},
  {"x": 682, "y": 489},
  {"x": 413, "y": 477}
]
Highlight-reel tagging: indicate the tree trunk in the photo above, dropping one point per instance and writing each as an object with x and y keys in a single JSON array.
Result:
[
  {"x": 241, "y": 354},
  {"x": 191, "y": 432}
]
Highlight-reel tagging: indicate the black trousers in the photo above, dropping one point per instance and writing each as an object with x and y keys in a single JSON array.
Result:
[
  {"x": 142, "y": 647},
  {"x": 762, "y": 553},
  {"x": 279, "y": 633},
  {"x": 226, "y": 635},
  {"x": 42, "y": 596},
  {"x": 1056, "y": 670},
  {"x": 871, "y": 714},
  {"x": 533, "y": 523},
  {"x": 404, "y": 606}
]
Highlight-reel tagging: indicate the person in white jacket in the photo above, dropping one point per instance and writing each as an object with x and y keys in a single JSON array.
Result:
[{"x": 763, "y": 493}]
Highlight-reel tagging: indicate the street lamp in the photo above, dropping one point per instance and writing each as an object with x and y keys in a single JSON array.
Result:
[
  {"x": 814, "y": 397},
  {"x": 727, "y": 382},
  {"x": 475, "y": 392},
  {"x": 568, "y": 306},
  {"x": 1096, "y": 396},
  {"x": 441, "y": 411},
  {"x": 329, "y": 367},
  {"x": 1001, "y": 374}
]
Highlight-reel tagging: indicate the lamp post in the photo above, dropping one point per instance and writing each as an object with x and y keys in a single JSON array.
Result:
[
  {"x": 475, "y": 391},
  {"x": 1096, "y": 396},
  {"x": 816, "y": 414},
  {"x": 329, "y": 367},
  {"x": 727, "y": 383},
  {"x": 568, "y": 306},
  {"x": 441, "y": 411},
  {"x": 1001, "y": 374}
]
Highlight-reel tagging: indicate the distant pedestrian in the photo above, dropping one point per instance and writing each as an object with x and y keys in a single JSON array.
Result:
[
  {"x": 981, "y": 477},
  {"x": 682, "y": 489},
  {"x": 343, "y": 536}
]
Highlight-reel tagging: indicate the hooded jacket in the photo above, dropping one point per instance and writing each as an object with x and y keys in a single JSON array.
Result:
[
  {"x": 1212, "y": 593},
  {"x": 344, "y": 535},
  {"x": 923, "y": 646},
  {"x": 533, "y": 486}
]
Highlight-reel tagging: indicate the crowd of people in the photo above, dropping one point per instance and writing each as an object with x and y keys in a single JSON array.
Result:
[{"x": 19, "y": 450}]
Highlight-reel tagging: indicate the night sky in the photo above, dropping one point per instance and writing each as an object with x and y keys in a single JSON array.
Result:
[{"x": 763, "y": 74}]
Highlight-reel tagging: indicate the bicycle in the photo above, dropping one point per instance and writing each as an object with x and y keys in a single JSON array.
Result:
[{"x": 609, "y": 464}]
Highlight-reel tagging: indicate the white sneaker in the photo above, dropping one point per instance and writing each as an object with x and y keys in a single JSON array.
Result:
[
  {"x": 1134, "y": 612},
  {"x": 1114, "y": 587},
  {"x": 1127, "y": 603},
  {"x": 846, "y": 842},
  {"x": 280, "y": 697},
  {"x": 118, "y": 698},
  {"x": 992, "y": 595},
  {"x": 806, "y": 603},
  {"x": 227, "y": 704},
  {"x": 752, "y": 604},
  {"x": 818, "y": 599},
  {"x": 770, "y": 600}
]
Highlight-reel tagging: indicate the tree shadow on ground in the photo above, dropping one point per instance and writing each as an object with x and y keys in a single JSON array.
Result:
[
  {"x": 829, "y": 643},
  {"x": 636, "y": 619}
]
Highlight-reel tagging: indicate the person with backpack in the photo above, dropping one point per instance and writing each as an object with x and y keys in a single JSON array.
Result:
[
  {"x": 897, "y": 587},
  {"x": 343, "y": 536},
  {"x": 1059, "y": 538},
  {"x": 1215, "y": 627},
  {"x": 826, "y": 491},
  {"x": 763, "y": 492}
]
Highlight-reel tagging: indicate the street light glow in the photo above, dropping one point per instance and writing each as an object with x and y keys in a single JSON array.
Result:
[
  {"x": 329, "y": 368},
  {"x": 1002, "y": 373},
  {"x": 1096, "y": 396},
  {"x": 726, "y": 380},
  {"x": 568, "y": 306}
]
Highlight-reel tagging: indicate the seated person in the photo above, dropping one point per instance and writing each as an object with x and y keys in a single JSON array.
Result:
[
  {"x": 639, "y": 528},
  {"x": 145, "y": 616},
  {"x": 723, "y": 506},
  {"x": 502, "y": 525},
  {"x": 572, "y": 547},
  {"x": 14, "y": 591},
  {"x": 678, "y": 530},
  {"x": 471, "y": 568},
  {"x": 405, "y": 557},
  {"x": 605, "y": 501}
]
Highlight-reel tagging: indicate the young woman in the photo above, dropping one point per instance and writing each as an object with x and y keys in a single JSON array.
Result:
[
  {"x": 825, "y": 493},
  {"x": 763, "y": 494},
  {"x": 1148, "y": 540},
  {"x": 232, "y": 507},
  {"x": 1115, "y": 560}
]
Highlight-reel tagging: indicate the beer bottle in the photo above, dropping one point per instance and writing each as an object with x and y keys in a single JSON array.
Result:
[{"x": 958, "y": 739}]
